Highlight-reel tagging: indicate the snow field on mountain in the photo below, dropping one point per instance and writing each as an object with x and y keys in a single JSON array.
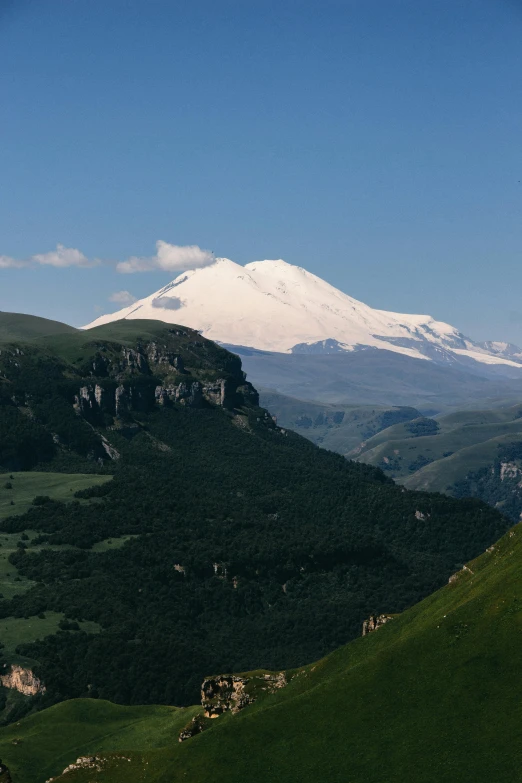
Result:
[{"x": 275, "y": 306}]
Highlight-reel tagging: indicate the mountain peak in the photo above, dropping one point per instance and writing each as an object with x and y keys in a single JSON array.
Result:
[{"x": 276, "y": 306}]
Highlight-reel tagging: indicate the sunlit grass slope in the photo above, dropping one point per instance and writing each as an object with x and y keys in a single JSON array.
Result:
[
  {"x": 433, "y": 696},
  {"x": 43, "y": 744}
]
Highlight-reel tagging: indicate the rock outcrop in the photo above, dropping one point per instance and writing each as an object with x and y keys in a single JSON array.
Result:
[
  {"x": 22, "y": 680},
  {"x": 221, "y": 694},
  {"x": 509, "y": 470},
  {"x": 92, "y": 763},
  {"x": 85, "y": 762},
  {"x": 194, "y": 727},
  {"x": 374, "y": 622},
  {"x": 233, "y": 693}
]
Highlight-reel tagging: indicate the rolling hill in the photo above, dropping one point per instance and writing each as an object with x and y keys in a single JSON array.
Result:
[{"x": 434, "y": 454}]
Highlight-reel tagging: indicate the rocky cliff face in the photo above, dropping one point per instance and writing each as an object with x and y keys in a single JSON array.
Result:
[
  {"x": 127, "y": 380},
  {"x": 221, "y": 694},
  {"x": 22, "y": 680}
]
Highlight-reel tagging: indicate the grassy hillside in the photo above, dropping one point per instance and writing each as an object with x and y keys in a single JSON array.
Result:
[
  {"x": 20, "y": 327},
  {"x": 45, "y": 743},
  {"x": 402, "y": 444},
  {"x": 434, "y": 695},
  {"x": 243, "y": 544}
]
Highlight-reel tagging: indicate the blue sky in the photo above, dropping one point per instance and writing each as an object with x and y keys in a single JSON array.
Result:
[{"x": 377, "y": 143}]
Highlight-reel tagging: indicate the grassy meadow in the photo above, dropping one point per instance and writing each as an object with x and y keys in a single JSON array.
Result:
[{"x": 18, "y": 489}]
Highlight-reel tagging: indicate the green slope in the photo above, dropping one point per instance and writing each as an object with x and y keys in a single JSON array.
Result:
[
  {"x": 22, "y": 327},
  {"x": 76, "y": 347},
  {"x": 433, "y": 696},
  {"x": 44, "y": 744}
]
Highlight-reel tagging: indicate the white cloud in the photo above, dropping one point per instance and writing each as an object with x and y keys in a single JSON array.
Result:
[
  {"x": 6, "y": 262},
  {"x": 62, "y": 257},
  {"x": 168, "y": 258},
  {"x": 122, "y": 297}
]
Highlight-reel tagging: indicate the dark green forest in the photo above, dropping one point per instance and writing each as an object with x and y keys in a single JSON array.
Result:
[{"x": 250, "y": 547}]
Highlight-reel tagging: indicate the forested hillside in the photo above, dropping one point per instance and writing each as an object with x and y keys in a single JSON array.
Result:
[{"x": 222, "y": 542}]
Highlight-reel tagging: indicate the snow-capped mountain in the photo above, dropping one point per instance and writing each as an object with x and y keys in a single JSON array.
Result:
[{"x": 275, "y": 306}]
